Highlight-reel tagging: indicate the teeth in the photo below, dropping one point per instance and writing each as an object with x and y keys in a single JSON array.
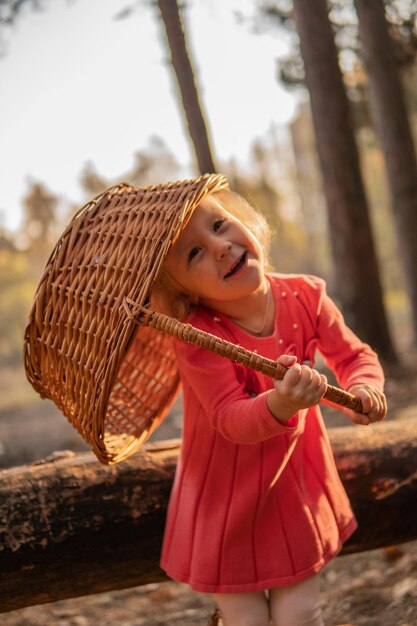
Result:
[{"x": 234, "y": 266}]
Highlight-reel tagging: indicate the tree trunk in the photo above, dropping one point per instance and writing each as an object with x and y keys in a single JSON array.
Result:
[
  {"x": 356, "y": 267},
  {"x": 181, "y": 63},
  {"x": 389, "y": 114},
  {"x": 73, "y": 527}
]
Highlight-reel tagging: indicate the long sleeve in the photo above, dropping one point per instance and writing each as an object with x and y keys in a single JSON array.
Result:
[
  {"x": 272, "y": 513},
  {"x": 229, "y": 408},
  {"x": 347, "y": 356}
]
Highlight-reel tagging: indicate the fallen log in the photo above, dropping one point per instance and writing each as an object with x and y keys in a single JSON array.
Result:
[{"x": 70, "y": 526}]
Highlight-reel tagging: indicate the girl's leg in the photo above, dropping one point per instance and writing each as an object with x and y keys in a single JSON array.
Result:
[
  {"x": 243, "y": 609},
  {"x": 297, "y": 605}
]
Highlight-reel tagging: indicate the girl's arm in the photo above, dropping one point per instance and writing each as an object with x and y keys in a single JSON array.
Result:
[
  {"x": 230, "y": 409},
  {"x": 355, "y": 364},
  {"x": 300, "y": 388}
]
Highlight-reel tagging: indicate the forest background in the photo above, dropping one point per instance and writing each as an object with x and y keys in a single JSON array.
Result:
[
  {"x": 282, "y": 177},
  {"x": 301, "y": 177}
]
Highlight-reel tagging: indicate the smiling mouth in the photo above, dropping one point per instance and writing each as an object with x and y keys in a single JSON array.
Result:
[{"x": 236, "y": 267}]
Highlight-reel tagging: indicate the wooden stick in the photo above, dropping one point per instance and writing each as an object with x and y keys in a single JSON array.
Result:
[{"x": 229, "y": 350}]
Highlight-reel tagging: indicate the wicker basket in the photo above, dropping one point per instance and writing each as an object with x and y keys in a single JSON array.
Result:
[{"x": 81, "y": 347}]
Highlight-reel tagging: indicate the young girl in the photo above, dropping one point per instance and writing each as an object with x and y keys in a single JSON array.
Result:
[{"x": 257, "y": 507}]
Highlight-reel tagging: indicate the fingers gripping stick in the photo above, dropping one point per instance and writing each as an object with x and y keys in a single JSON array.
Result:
[{"x": 187, "y": 332}]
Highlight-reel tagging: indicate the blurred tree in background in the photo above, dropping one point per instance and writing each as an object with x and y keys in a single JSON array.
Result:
[
  {"x": 390, "y": 116},
  {"x": 10, "y": 13},
  {"x": 187, "y": 84},
  {"x": 286, "y": 188},
  {"x": 384, "y": 41},
  {"x": 16, "y": 287},
  {"x": 154, "y": 164},
  {"x": 353, "y": 248},
  {"x": 151, "y": 165},
  {"x": 39, "y": 224},
  {"x": 22, "y": 258}
]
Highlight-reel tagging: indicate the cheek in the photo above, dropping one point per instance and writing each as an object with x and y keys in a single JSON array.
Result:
[
  {"x": 253, "y": 243},
  {"x": 172, "y": 267},
  {"x": 258, "y": 250}
]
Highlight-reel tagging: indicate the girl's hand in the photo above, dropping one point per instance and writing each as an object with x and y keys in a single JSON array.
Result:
[
  {"x": 374, "y": 405},
  {"x": 300, "y": 388}
]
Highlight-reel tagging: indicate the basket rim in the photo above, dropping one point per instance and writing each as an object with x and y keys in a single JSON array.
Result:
[{"x": 38, "y": 357}]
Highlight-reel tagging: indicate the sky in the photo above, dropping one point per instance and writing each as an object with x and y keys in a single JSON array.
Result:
[{"x": 79, "y": 86}]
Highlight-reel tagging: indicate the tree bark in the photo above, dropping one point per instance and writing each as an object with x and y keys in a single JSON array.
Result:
[
  {"x": 389, "y": 113},
  {"x": 73, "y": 527},
  {"x": 356, "y": 266},
  {"x": 181, "y": 62}
]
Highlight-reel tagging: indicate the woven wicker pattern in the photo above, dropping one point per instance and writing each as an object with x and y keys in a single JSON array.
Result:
[{"x": 82, "y": 349}]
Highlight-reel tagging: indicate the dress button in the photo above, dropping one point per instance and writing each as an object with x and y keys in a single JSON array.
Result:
[
  {"x": 296, "y": 294},
  {"x": 216, "y": 319},
  {"x": 295, "y": 326},
  {"x": 284, "y": 294},
  {"x": 280, "y": 341}
]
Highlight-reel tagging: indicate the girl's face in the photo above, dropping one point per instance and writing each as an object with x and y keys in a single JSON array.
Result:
[{"x": 216, "y": 258}]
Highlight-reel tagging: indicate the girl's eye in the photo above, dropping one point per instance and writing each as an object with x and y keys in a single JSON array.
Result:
[
  {"x": 193, "y": 253},
  {"x": 217, "y": 224}
]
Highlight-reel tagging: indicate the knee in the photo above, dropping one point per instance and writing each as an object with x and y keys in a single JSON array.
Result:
[
  {"x": 260, "y": 618},
  {"x": 297, "y": 605},
  {"x": 246, "y": 609}
]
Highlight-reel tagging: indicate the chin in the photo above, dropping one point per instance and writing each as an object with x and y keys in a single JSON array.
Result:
[{"x": 257, "y": 276}]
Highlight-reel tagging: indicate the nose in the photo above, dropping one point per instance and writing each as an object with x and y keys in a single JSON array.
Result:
[{"x": 222, "y": 249}]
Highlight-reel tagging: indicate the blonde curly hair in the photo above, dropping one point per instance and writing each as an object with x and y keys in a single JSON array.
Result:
[{"x": 168, "y": 297}]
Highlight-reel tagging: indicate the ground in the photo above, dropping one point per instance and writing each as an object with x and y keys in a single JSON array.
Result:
[{"x": 377, "y": 588}]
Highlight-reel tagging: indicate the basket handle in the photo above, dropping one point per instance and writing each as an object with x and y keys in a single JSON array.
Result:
[{"x": 144, "y": 317}]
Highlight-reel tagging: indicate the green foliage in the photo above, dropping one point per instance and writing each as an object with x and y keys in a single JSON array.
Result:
[{"x": 16, "y": 288}]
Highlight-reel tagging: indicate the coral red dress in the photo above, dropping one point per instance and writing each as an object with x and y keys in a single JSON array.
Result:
[{"x": 256, "y": 504}]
